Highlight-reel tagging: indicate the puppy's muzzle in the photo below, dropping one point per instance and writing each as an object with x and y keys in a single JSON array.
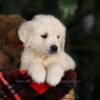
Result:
[{"x": 53, "y": 49}]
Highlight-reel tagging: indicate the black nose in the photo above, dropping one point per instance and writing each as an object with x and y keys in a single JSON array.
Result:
[{"x": 53, "y": 49}]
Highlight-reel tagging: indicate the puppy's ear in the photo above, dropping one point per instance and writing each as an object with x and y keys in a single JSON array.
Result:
[
  {"x": 63, "y": 43},
  {"x": 63, "y": 40},
  {"x": 25, "y": 32}
]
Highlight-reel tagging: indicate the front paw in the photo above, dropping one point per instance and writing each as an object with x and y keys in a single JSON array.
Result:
[
  {"x": 54, "y": 75},
  {"x": 53, "y": 80},
  {"x": 38, "y": 74}
]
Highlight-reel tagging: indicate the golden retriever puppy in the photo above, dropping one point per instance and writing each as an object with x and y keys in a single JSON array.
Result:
[{"x": 43, "y": 56}]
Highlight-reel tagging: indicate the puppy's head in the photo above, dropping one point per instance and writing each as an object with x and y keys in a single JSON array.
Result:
[{"x": 44, "y": 34}]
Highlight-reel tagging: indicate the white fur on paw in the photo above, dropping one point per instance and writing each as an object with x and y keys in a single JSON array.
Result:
[
  {"x": 54, "y": 75},
  {"x": 53, "y": 80},
  {"x": 37, "y": 73}
]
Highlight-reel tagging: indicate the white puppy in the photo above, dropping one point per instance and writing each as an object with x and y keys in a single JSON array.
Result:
[{"x": 43, "y": 56}]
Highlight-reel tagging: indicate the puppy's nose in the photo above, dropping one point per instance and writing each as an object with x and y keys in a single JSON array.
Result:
[{"x": 53, "y": 49}]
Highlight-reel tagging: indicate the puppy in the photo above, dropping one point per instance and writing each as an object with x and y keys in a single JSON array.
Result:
[{"x": 43, "y": 56}]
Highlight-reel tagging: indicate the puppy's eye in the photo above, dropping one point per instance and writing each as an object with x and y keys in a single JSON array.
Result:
[
  {"x": 44, "y": 36},
  {"x": 58, "y": 36}
]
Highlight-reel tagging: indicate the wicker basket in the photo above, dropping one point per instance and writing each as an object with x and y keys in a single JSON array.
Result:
[{"x": 69, "y": 96}]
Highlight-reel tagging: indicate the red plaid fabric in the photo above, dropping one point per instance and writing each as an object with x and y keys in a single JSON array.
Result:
[{"x": 17, "y": 85}]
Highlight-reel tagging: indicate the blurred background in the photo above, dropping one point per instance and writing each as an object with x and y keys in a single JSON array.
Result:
[{"x": 82, "y": 19}]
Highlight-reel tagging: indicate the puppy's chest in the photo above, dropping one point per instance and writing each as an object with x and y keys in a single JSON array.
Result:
[{"x": 46, "y": 62}]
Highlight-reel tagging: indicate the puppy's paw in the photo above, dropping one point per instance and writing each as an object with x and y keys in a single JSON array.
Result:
[
  {"x": 37, "y": 73},
  {"x": 53, "y": 80},
  {"x": 54, "y": 75}
]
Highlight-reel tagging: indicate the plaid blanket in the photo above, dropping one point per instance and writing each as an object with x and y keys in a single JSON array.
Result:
[{"x": 17, "y": 85}]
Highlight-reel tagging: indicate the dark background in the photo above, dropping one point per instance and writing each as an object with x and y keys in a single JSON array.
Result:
[{"x": 82, "y": 19}]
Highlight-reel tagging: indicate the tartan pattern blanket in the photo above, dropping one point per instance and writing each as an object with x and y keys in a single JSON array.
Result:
[{"x": 17, "y": 85}]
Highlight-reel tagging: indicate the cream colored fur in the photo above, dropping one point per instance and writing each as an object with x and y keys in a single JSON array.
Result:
[{"x": 36, "y": 59}]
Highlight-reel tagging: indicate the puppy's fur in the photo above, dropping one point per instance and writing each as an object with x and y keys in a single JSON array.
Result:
[{"x": 38, "y": 35}]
